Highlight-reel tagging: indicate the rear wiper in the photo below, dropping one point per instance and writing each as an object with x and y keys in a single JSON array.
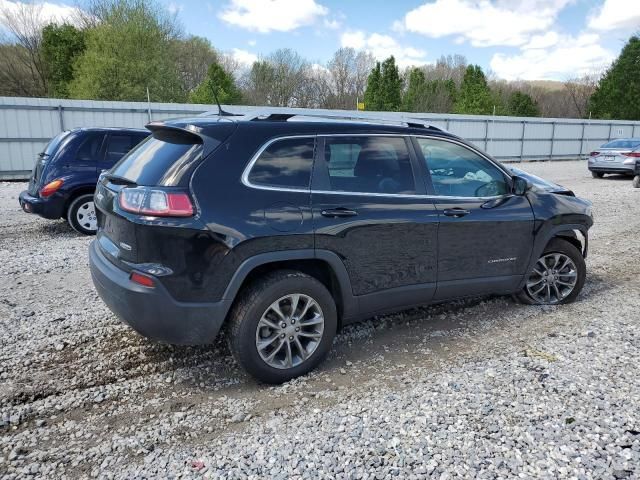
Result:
[{"x": 117, "y": 179}]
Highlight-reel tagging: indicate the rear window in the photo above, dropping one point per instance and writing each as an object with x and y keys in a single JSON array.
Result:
[
  {"x": 622, "y": 144},
  {"x": 159, "y": 159}
]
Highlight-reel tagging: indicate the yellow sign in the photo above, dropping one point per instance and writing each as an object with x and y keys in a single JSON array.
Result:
[{"x": 360, "y": 105}]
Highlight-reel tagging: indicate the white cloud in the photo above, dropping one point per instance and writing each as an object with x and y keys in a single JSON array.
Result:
[
  {"x": 615, "y": 15},
  {"x": 265, "y": 16},
  {"x": 485, "y": 23},
  {"x": 252, "y": 43},
  {"x": 547, "y": 40},
  {"x": 333, "y": 24},
  {"x": 569, "y": 57},
  {"x": 46, "y": 12},
  {"x": 382, "y": 46},
  {"x": 243, "y": 56}
]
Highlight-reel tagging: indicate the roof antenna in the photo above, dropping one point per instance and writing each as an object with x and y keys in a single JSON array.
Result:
[{"x": 221, "y": 112}]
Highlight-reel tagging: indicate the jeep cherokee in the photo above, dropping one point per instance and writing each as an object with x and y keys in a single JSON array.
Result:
[{"x": 282, "y": 228}]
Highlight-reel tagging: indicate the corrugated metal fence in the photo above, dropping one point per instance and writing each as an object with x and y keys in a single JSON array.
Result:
[{"x": 26, "y": 124}]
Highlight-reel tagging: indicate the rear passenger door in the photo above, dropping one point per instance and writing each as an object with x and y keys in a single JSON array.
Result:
[
  {"x": 369, "y": 209},
  {"x": 486, "y": 233}
]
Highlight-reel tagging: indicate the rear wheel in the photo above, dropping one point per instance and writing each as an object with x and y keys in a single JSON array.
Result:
[
  {"x": 636, "y": 181},
  {"x": 282, "y": 326},
  {"x": 81, "y": 215},
  {"x": 597, "y": 174},
  {"x": 557, "y": 277}
]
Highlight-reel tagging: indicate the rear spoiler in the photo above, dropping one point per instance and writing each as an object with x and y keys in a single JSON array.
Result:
[{"x": 210, "y": 136}]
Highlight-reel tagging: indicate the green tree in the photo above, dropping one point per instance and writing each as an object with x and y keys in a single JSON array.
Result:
[
  {"x": 416, "y": 91},
  {"x": 221, "y": 82},
  {"x": 372, "y": 95},
  {"x": 618, "y": 93},
  {"x": 61, "y": 47},
  {"x": 522, "y": 105},
  {"x": 475, "y": 96},
  {"x": 128, "y": 51},
  {"x": 390, "y": 85}
]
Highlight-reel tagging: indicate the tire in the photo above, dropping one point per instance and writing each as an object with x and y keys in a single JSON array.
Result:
[
  {"x": 636, "y": 181},
  {"x": 564, "y": 249},
  {"x": 597, "y": 174},
  {"x": 81, "y": 215},
  {"x": 257, "y": 301}
]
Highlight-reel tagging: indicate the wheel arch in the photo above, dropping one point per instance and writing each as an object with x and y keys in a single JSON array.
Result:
[
  {"x": 323, "y": 265},
  {"x": 75, "y": 193}
]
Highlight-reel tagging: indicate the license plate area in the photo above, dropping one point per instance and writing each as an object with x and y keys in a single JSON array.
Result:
[{"x": 609, "y": 158}]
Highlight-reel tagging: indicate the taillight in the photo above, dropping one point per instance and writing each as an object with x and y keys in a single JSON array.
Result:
[
  {"x": 144, "y": 280},
  {"x": 632, "y": 154},
  {"x": 51, "y": 188},
  {"x": 593, "y": 154},
  {"x": 155, "y": 203}
]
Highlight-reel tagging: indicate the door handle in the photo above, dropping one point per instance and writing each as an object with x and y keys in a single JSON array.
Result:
[
  {"x": 456, "y": 212},
  {"x": 338, "y": 213}
]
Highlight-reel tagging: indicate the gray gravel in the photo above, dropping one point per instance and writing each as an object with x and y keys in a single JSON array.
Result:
[{"x": 482, "y": 388}]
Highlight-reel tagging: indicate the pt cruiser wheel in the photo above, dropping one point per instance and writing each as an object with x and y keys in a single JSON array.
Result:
[
  {"x": 557, "y": 277},
  {"x": 81, "y": 215},
  {"x": 282, "y": 326}
]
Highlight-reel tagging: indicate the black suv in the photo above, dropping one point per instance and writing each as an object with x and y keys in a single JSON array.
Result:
[
  {"x": 65, "y": 174},
  {"x": 282, "y": 228}
]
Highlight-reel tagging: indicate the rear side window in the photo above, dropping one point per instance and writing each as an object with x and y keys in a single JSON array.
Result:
[
  {"x": 90, "y": 148},
  {"x": 369, "y": 165},
  {"x": 118, "y": 146},
  {"x": 285, "y": 163},
  {"x": 159, "y": 159},
  {"x": 54, "y": 143}
]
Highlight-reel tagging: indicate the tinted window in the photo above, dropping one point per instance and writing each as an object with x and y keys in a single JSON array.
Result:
[
  {"x": 457, "y": 171},
  {"x": 622, "y": 144},
  {"x": 89, "y": 148},
  {"x": 159, "y": 159},
  {"x": 118, "y": 146},
  {"x": 369, "y": 164},
  {"x": 284, "y": 163}
]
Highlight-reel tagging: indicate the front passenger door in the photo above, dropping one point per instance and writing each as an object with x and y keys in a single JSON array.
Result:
[{"x": 486, "y": 233}]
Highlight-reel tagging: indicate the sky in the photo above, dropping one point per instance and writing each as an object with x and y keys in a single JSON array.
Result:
[{"x": 514, "y": 39}]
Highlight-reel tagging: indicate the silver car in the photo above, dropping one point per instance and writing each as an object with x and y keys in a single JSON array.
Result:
[{"x": 616, "y": 156}]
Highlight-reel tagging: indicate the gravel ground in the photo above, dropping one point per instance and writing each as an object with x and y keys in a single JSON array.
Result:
[{"x": 482, "y": 388}]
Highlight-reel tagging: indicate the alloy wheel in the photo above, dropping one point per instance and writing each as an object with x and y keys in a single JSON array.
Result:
[
  {"x": 553, "y": 278},
  {"x": 289, "y": 331}
]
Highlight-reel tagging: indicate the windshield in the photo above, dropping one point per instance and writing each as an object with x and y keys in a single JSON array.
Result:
[
  {"x": 53, "y": 144},
  {"x": 622, "y": 144},
  {"x": 159, "y": 161}
]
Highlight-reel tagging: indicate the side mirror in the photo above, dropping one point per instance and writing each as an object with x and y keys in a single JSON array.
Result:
[{"x": 519, "y": 185}]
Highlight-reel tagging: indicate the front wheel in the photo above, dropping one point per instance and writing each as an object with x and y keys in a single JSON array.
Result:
[
  {"x": 597, "y": 174},
  {"x": 636, "y": 181},
  {"x": 81, "y": 215},
  {"x": 282, "y": 326},
  {"x": 557, "y": 277}
]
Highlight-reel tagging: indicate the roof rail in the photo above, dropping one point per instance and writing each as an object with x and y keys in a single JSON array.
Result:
[{"x": 284, "y": 116}]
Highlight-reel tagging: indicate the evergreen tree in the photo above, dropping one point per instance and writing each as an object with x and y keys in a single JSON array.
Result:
[
  {"x": 475, "y": 96},
  {"x": 390, "y": 85},
  {"x": 61, "y": 47},
  {"x": 618, "y": 93},
  {"x": 522, "y": 105},
  {"x": 416, "y": 91},
  {"x": 372, "y": 98},
  {"x": 221, "y": 82}
]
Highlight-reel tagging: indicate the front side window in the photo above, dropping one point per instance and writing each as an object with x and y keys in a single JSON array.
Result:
[
  {"x": 369, "y": 165},
  {"x": 457, "y": 171},
  {"x": 285, "y": 163}
]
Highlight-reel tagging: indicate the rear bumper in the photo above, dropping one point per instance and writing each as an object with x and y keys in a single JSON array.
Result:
[
  {"x": 152, "y": 312},
  {"x": 611, "y": 168},
  {"x": 51, "y": 208}
]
